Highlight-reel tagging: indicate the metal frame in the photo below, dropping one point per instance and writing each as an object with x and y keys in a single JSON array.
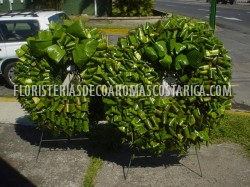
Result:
[
  {"x": 55, "y": 140},
  {"x": 133, "y": 156}
]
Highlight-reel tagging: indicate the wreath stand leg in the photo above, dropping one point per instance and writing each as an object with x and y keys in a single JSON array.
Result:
[
  {"x": 129, "y": 165},
  {"x": 55, "y": 140},
  {"x": 197, "y": 156},
  {"x": 40, "y": 143},
  {"x": 133, "y": 156}
]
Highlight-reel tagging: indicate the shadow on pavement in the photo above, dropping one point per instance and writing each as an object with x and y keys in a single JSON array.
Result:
[
  {"x": 2, "y": 81},
  {"x": 11, "y": 177},
  {"x": 32, "y": 134},
  {"x": 120, "y": 154}
]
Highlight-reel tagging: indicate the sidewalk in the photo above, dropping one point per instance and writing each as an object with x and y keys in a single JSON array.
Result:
[
  {"x": 64, "y": 164},
  {"x": 12, "y": 113}
]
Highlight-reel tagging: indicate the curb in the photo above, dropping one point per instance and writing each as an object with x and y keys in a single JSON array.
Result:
[
  {"x": 114, "y": 31},
  {"x": 125, "y": 18},
  {"x": 239, "y": 112},
  {"x": 8, "y": 99}
]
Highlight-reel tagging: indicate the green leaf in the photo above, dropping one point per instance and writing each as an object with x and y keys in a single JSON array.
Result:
[
  {"x": 84, "y": 51},
  {"x": 160, "y": 48},
  {"x": 172, "y": 45},
  {"x": 90, "y": 46},
  {"x": 44, "y": 35},
  {"x": 181, "y": 61},
  {"x": 163, "y": 135},
  {"x": 142, "y": 37},
  {"x": 166, "y": 61},
  {"x": 108, "y": 101},
  {"x": 151, "y": 54},
  {"x": 179, "y": 47},
  {"x": 79, "y": 55},
  {"x": 203, "y": 135},
  {"x": 55, "y": 53},
  {"x": 38, "y": 47},
  {"x": 133, "y": 40},
  {"x": 78, "y": 29},
  {"x": 195, "y": 58},
  {"x": 184, "y": 78},
  {"x": 20, "y": 52}
]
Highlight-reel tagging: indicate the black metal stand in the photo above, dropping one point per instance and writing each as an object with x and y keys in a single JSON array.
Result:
[
  {"x": 197, "y": 156},
  {"x": 133, "y": 156},
  {"x": 55, "y": 140}
]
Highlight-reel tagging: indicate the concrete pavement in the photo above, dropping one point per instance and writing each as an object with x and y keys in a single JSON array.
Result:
[
  {"x": 65, "y": 164},
  {"x": 11, "y": 112}
]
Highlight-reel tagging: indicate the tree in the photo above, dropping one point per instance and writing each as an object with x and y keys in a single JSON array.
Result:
[{"x": 45, "y": 4}]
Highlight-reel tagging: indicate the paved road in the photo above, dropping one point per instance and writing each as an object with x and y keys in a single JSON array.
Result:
[
  {"x": 233, "y": 22},
  {"x": 233, "y": 29},
  {"x": 5, "y": 91},
  {"x": 233, "y": 17}
]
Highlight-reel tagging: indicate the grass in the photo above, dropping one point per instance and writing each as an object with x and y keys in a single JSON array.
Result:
[
  {"x": 235, "y": 127},
  {"x": 95, "y": 165},
  {"x": 83, "y": 18}
]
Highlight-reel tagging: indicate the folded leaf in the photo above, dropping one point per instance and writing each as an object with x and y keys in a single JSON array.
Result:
[
  {"x": 181, "y": 61},
  {"x": 166, "y": 61},
  {"x": 39, "y": 47},
  {"x": 160, "y": 48},
  {"x": 195, "y": 58},
  {"x": 79, "y": 55},
  {"x": 151, "y": 54},
  {"x": 78, "y": 29},
  {"x": 179, "y": 47},
  {"x": 55, "y": 53}
]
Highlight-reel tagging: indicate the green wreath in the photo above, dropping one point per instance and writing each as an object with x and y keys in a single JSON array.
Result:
[{"x": 179, "y": 49}]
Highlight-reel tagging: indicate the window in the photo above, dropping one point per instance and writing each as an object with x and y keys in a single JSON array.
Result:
[
  {"x": 58, "y": 18},
  {"x": 18, "y": 30},
  {"x": 1, "y": 37}
]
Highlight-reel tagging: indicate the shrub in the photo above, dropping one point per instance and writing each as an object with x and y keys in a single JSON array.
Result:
[{"x": 133, "y": 7}]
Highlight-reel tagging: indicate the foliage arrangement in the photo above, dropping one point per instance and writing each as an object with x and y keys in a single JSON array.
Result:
[
  {"x": 133, "y": 7},
  {"x": 180, "y": 48}
]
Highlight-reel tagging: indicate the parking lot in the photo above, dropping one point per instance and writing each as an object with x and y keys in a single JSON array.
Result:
[{"x": 5, "y": 91}]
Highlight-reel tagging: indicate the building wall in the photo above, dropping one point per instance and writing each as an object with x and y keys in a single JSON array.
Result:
[
  {"x": 71, "y": 7},
  {"x": 76, "y": 7}
]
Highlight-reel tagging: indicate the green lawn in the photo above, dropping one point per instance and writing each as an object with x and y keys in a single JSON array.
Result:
[
  {"x": 95, "y": 165},
  {"x": 235, "y": 127}
]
